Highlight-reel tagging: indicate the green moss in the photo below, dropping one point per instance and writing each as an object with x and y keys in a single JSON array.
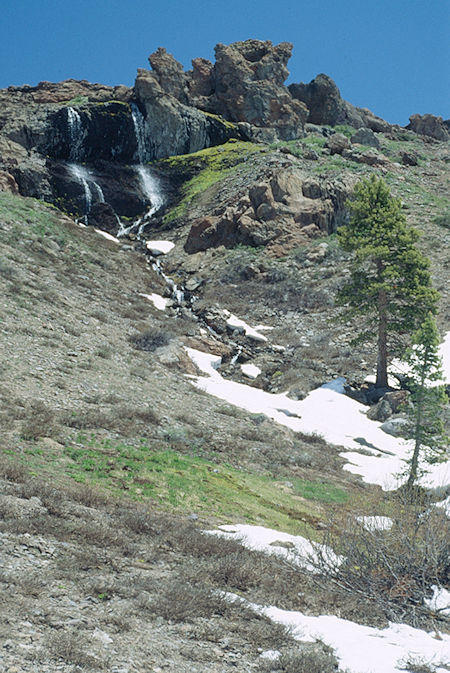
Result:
[
  {"x": 227, "y": 124},
  {"x": 204, "y": 168},
  {"x": 78, "y": 100}
]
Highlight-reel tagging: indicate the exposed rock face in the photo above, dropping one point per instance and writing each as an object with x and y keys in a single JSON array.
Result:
[
  {"x": 169, "y": 74},
  {"x": 249, "y": 86},
  {"x": 66, "y": 91},
  {"x": 245, "y": 85},
  {"x": 173, "y": 127},
  {"x": 326, "y": 106},
  {"x": 429, "y": 125},
  {"x": 8, "y": 183},
  {"x": 280, "y": 211}
]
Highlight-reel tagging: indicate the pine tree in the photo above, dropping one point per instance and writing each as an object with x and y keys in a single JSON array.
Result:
[
  {"x": 427, "y": 397},
  {"x": 389, "y": 289}
]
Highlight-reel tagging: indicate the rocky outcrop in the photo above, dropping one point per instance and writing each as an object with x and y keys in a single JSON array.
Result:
[
  {"x": 171, "y": 127},
  {"x": 246, "y": 85},
  {"x": 326, "y": 106},
  {"x": 281, "y": 211},
  {"x": 249, "y": 79},
  {"x": 429, "y": 125}
]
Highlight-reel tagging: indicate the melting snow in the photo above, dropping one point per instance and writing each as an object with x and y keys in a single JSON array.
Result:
[
  {"x": 159, "y": 247},
  {"x": 440, "y": 601},
  {"x": 108, "y": 236},
  {"x": 293, "y": 547},
  {"x": 364, "y": 649},
  {"x": 252, "y": 371},
  {"x": 156, "y": 299},
  {"x": 235, "y": 323},
  {"x": 339, "y": 419},
  {"x": 373, "y": 523}
]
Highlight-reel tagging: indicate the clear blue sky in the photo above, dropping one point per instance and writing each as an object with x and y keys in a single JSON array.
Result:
[{"x": 391, "y": 56}]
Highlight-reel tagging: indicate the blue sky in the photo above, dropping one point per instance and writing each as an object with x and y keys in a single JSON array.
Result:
[{"x": 391, "y": 56}]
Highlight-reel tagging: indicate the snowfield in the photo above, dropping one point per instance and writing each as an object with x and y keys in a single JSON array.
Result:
[{"x": 325, "y": 411}]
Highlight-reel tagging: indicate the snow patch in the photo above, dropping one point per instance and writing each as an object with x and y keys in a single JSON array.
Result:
[
  {"x": 445, "y": 504},
  {"x": 241, "y": 326},
  {"x": 159, "y": 247},
  {"x": 106, "y": 235},
  {"x": 440, "y": 601},
  {"x": 363, "y": 649},
  {"x": 337, "y": 418},
  {"x": 374, "y": 523},
  {"x": 295, "y": 548},
  {"x": 158, "y": 302},
  {"x": 251, "y": 371}
]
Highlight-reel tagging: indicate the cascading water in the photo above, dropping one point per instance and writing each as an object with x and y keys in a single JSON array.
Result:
[
  {"x": 82, "y": 175},
  {"x": 76, "y": 134},
  {"x": 150, "y": 185},
  {"x": 139, "y": 130}
]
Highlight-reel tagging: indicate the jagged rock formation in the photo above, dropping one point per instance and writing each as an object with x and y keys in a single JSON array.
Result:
[
  {"x": 326, "y": 106},
  {"x": 245, "y": 85},
  {"x": 429, "y": 125}
]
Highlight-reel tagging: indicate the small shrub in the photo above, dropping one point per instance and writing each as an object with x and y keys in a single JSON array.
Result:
[
  {"x": 12, "y": 470},
  {"x": 314, "y": 659},
  {"x": 150, "y": 339},
  {"x": 40, "y": 421},
  {"x": 394, "y": 569},
  {"x": 182, "y": 602},
  {"x": 66, "y": 646},
  {"x": 443, "y": 220}
]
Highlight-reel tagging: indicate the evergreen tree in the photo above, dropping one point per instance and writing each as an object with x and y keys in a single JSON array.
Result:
[
  {"x": 427, "y": 397},
  {"x": 389, "y": 289}
]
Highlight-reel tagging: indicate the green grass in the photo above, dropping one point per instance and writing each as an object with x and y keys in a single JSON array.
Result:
[
  {"x": 320, "y": 491},
  {"x": 204, "y": 169},
  {"x": 186, "y": 483}
]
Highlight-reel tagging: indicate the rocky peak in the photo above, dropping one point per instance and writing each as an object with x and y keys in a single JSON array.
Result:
[{"x": 169, "y": 74}]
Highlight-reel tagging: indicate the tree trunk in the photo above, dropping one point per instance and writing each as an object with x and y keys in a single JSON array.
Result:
[
  {"x": 382, "y": 378},
  {"x": 418, "y": 443}
]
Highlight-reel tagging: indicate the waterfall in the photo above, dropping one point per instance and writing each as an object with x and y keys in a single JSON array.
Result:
[
  {"x": 151, "y": 188},
  {"x": 76, "y": 134},
  {"x": 82, "y": 175},
  {"x": 139, "y": 130}
]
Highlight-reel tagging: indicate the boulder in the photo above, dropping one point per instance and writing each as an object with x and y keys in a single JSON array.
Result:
[
  {"x": 103, "y": 217},
  {"x": 169, "y": 74},
  {"x": 8, "y": 183},
  {"x": 365, "y": 136},
  {"x": 337, "y": 143},
  {"x": 397, "y": 427},
  {"x": 429, "y": 125},
  {"x": 409, "y": 158},
  {"x": 380, "y": 411}
]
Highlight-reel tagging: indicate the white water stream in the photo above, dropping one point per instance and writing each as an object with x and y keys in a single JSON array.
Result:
[
  {"x": 76, "y": 134},
  {"x": 150, "y": 185},
  {"x": 92, "y": 191}
]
